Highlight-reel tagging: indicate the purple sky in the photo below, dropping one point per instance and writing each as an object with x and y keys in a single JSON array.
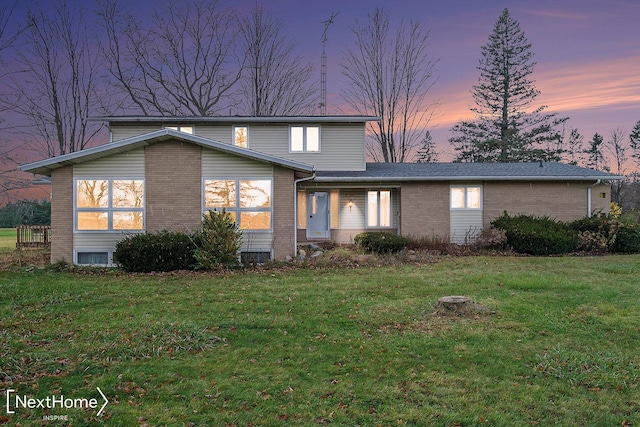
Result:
[{"x": 587, "y": 52}]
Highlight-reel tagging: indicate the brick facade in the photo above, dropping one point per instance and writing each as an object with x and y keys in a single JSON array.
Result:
[
  {"x": 173, "y": 186},
  {"x": 424, "y": 209},
  {"x": 62, "y": 214},
  {"x": 283, "y": 213},
  {"x": 564, "y": 201}
]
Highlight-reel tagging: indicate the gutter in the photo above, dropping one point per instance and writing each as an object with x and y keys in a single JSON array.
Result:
[
  {"x": 464, "y": 178},
  {"x": 598, "y": 182},
  {"x": 295, "y": 210}
]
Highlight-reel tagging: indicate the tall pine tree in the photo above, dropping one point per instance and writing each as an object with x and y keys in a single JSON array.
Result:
[
  {"x": 634, "y": 143},
  {"x": 506, "y": 129},
  {"x": 427, "y": 153}
]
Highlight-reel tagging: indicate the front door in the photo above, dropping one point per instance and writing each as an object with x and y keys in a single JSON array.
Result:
[{"x": 318, "y": 216}]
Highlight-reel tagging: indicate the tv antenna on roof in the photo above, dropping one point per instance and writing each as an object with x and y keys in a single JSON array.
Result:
[{"x": 323, "y": 66}]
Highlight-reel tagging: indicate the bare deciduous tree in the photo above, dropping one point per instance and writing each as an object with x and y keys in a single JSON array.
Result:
[
  {"x": 389, "y": 77},
  {"x": 618, "y": 148},
  {"x": 276, "y": 82},
  {"x": 54, "y": 81},
  {"x": 184, "y": 63}
]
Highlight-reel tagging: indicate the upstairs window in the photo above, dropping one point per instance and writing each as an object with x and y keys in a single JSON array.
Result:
[
  {"x": 466, "y": 197},
  {"x": 185, "y": 129},
  {"x": 241, "y": 136},
  {"x": 109, "y": 204},
  {"x": 304, "y": 139}
]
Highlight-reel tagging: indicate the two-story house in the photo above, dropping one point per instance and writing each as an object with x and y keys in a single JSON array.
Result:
[{"x": 286, "y": 180}]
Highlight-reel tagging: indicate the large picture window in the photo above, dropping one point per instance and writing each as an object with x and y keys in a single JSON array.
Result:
[
  {"x": 304, "y": 139},
  {"x": 379, "y": 208},
  {"x": 466, "y": 197},
  {"x": 247, "y": 200},
  {"x": 109, "y": 204}
]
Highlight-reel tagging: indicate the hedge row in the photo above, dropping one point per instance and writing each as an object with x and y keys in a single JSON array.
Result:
[{"x": 537, "y": 235}]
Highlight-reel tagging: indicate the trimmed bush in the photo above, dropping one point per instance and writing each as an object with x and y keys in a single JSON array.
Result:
[
  {"x": 221, "y": 240},
  {"x": 156, "y": 251},
  {"x": 536, "y": 235},
  {"x": 381, "y": 242},
  {"x": 627, "y": 240},
  {"x": 603, "y": 234}
]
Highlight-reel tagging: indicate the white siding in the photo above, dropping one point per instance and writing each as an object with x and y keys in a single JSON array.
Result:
[
  {"x": 352, "y": 218},
  {"x": 221, "y": 133},
  {"x": 257, "y": 242},
  {"x": 465, "y": 224},
  {"x": 222, "y": 165},
  {"x": 342, "y": 145},
  {"x": 121, "y": 132},
  {"x": 124, "y": 165},
  {"x": 87, "y": 242}
]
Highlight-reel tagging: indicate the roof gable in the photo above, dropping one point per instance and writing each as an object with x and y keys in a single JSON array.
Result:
[{"x": 44, "y": 167}]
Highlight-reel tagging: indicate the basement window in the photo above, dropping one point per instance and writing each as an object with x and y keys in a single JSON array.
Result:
[{"x": 93, "y": 258}]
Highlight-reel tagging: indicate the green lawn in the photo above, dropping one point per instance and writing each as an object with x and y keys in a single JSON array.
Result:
[
  {"x": 321, "y": 346},
  {"x": 7, "y": 238}
]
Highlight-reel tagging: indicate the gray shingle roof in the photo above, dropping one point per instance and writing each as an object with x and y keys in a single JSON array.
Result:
[{"x": 466, "y": 172}]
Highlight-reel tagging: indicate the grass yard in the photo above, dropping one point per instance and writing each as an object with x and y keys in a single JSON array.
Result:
[
  {"x": 7, "y": 239},
  {"x": 340, "y": 347}
]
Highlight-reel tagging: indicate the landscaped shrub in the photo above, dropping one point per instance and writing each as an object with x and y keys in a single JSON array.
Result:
[
  {"x": 603, "y": 234},
  {"x": 381, "y": 242},
  {"x": 221, "y": 240},
  {"x": 156, "y": 251},
  {"x": 536, "y": 235},
  {"x": 627, "y": 240}
]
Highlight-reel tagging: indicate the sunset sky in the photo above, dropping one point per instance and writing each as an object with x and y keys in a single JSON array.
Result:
[{"x": 587, "y": 52}]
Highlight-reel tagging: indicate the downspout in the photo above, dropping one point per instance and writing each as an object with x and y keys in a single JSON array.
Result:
[
  {"x": 295, "y": 210},
  {"x": 598, "y": 182}
]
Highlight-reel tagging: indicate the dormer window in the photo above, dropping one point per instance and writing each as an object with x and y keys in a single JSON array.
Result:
[
  {"x": 241, "y": 136},
  {"x": 304, "y": 139},
  {"x": 185, "y": 129}
]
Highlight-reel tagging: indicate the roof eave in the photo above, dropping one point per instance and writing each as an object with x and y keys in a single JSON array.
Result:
[
  {"x": 236, "y": 119},
  {"x": 466, "y": 178},
  {"x": 44, "y": 167}
]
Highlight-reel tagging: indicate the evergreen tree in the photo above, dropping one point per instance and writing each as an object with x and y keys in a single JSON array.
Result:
[
  {"x": 634, "y": 143},
  {"x": 505, "y": 129},
  {"x": 427, "y": 153},
  {"x": 595, "y": 157},
  {"x": 574, "y": 147}
]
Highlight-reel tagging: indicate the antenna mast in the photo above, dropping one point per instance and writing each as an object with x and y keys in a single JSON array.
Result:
[{"x": 323, "y": 66}]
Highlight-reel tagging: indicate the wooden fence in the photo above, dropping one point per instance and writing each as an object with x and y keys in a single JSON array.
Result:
[{"x": 33, "y": 236}]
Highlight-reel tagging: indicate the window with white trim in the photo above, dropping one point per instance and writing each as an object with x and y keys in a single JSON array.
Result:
[
  {"x": 109, "y": 204},
  {"x": 304, "y": 139},
  {"x": 92, "y": 258},
  {"x": 247, "y": 200},
  {"x": 241, "y": 136},
  {"x": 379, "y": 208},
  {"x": 466, "y": 197},
  {"x": 181, "y": 128}
]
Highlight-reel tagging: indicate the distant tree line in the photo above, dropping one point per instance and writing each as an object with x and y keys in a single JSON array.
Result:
[{"x": 25, "y": 212}]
